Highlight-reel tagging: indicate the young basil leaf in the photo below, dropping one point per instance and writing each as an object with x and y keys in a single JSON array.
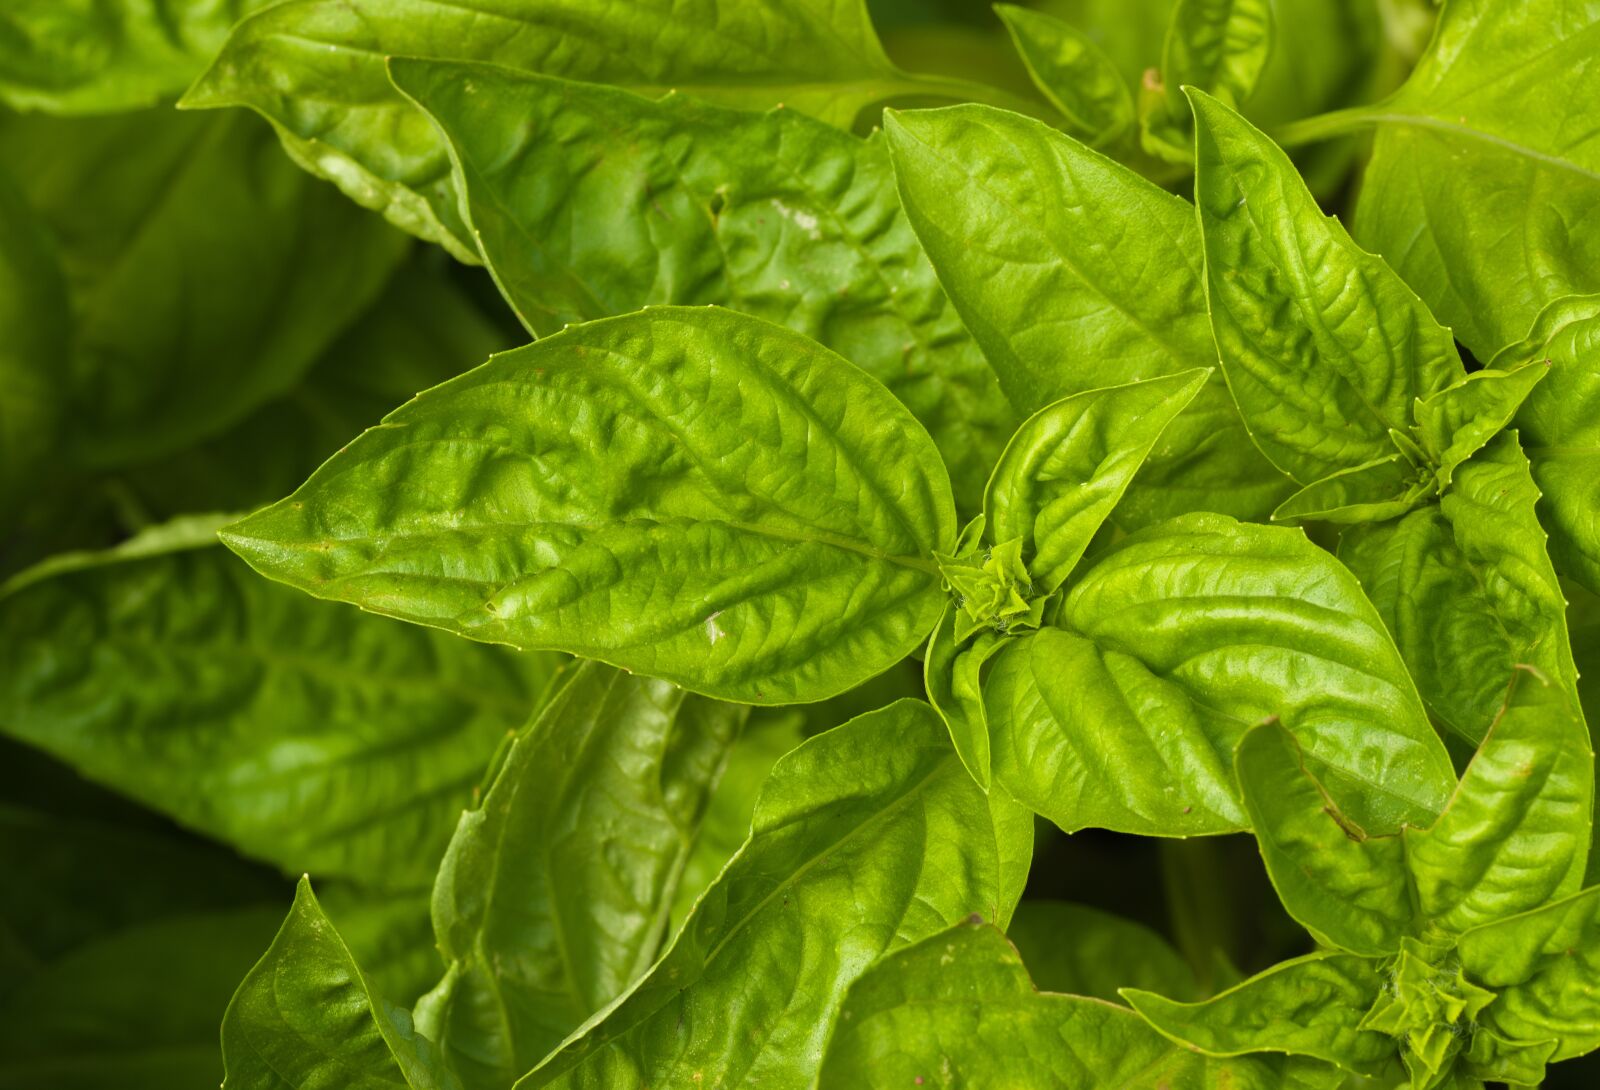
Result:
[
  {"x": 1516, "y": 832},
  {"x": 1543, "y": 965},
  {"x": 35, "y": 341},
  {"x": 137, "y": 1008},
  {"x": 206, "y": 273},
  {"x": 1083, "y": 951},
  {"x": 589, "y": 201},
  {"x": 108, "y": 56},
  {"x": 1041, "y": 243},
  {"x": 866, "y": 838},
  {"x": 1374, "y": 491},
  {"x": 167, "y": 670},
  {"x": 1173, "y": 643},
  {"x": 1456, "y": 422},
  {"x": 306, "y": 1016},
  {"x": 689, "y": 493},
  {"x": 953, "y": 676},
  {"x": 1072, "y": 72},
  {"x": 1217, "y": 46},
  {"x": 1325, "y": 348},
  {"x": 1310, "y": 1006},
  {"x": 1489, "y": 129},
  {"x": 958, "y": 1009},
  {"x": 1350, "y": 890},
  {"x": 1560, "y": 426},
  {"x": 1069, "y": 464},
  {"x": 536, "y": 931},
  {"x": 1467, "y": 589},
  {"x": 315, "y": 68}
]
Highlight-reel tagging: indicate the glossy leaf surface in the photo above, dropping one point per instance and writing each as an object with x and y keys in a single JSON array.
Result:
[
  {"x": 959, "y": 1009},
  {"x": 554, "y": 895},
  {"x": 1073, "y": 274},
  {"x": 304, "y": 733},
  {"x": 590, "y": 201},
  {"x": 867, "y": 838},
  {"x": 1491, "y": 129},
  {"x": 1177, "y": 640},
  {"x": 688, "y": 493},
  {"x": 1515, "y": 835},
  {"x": 1350, "y": 890},
  {"x": 1467, "y": 589},
  {"x": 1325, "y": 348},
  {"x": 315, "y": 68}
]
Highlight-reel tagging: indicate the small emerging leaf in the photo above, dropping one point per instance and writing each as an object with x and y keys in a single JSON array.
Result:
[
  {"x": 1073, "y": 73},
  {"x": 1456, "y": 422},
  {"x": 1217, "y": 46}
]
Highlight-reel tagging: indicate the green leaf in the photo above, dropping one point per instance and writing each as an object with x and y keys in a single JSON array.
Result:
[
  {"x": 1325, "y": 348},
  {"x": 687, "y": 493},
  {"x": 1456, "y": 422},
  {"x": 1491, "y": 129},
  {"x": 1217, "y": 46},
  {"x": 315, "y": 68},
  {"x": 1310, "y": 1006},
  {"x": 1072, "y": 72},
  {"x": 1374, "y": 491},
  {"x": 421, "y": 331},
  {"x": 1176, "y": 641},
  {"x": 1350, "y": 890},
  {"x": 867, "y": 838},
  {"x": 555, "y": 892},
  {"x": 1041, "y": 243},
  {"x": 1543, "y": 964},
  {"x": 588, "y": 201},
  {"x": 74, "y": 57},
  {"x": 953, "y": 676},
  {"x": 207, "y": 273},
  {"x": 958, "y": 1009},
  {"x": 305, "y": 1017},
  {"x": 1515, "y": 835},
  {"x": 301, "y": 733},
  {"x": 1084, "y": 951},
  {"x": 1069, "y": 464},
  {"x": 1467, "y": 589},
  {"x": 1560, "y": 426},
  {"x": 35, "y": 332},
  {"x": 136, "y": 1009}
]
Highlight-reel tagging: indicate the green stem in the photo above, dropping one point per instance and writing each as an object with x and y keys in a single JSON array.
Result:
[
  {"x": 1309, "y": 130},
  {"x": 1200, "y": 907}
]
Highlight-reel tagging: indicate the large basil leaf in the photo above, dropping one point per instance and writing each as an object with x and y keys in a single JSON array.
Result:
[
  {"x": 35, "y": 337},
  {"x": 315, "y": 68},
  {"x": 137, "y": 1009},
  {"x": 101, "y": 56},
  {"x": 1491, "y": 129},
  {"x": 868, "y": 837},
  {"x": 1467, "y": 589},
  {"x": 588, "y": 201},
  {"x": 1074, "y": 273},
  {"x": 1543, "y": 964},
  {"x": 958, "y": 1009},
  {"x": 688, "y": 493},
  {"x": 1350, "y": 890},
  {"x": 554, "y": 894},
  {"x": 1325, "y": 348},
  {"x": 422, "y": 330},
  {"x": 1310, "y": 1006},
  {"x": 307, "y": 1017},
  {"x": 207, "y": 273},
  {"x": 1083, "y": 951},
  {"x": 1560, "y": 426},
  {"x": 302, "y": 733},
  {"x": 1515, "y": 835},
  {"x": 1176, "y": 641}
]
